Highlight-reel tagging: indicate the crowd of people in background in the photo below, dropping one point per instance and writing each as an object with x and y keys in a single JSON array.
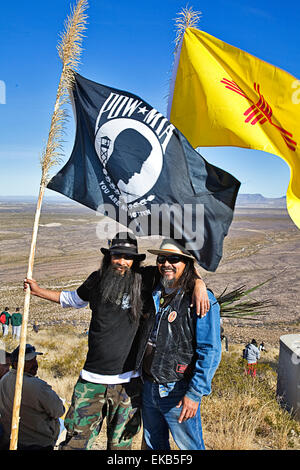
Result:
[{"x": 14, "y": 319}]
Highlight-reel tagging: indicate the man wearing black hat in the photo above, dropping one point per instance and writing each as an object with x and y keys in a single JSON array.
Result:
[
  {"x": 40, "y": 408},
  {"x": 109, "y": 383}
]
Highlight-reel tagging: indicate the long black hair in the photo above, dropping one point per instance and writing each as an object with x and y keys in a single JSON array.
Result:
[
  {"x": 186, "y": 282},
  {"x": 133, "y": 285}
]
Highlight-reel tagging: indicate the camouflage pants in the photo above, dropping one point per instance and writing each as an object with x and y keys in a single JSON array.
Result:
[{"x": 91, "y": 403}]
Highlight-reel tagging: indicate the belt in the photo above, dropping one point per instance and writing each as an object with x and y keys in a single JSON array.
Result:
[{"x": 150, "y": 378}]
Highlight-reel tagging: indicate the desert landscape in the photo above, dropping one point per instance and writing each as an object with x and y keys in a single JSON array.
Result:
[{"x": 263, "y": 244}]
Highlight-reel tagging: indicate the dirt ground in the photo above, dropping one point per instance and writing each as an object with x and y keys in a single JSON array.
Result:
[{"x": 262, "y": 243}]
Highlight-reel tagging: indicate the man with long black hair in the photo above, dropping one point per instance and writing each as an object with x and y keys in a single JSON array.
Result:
[
  {"x": 109, "y": 384},
  {"x": 179, "y": 352}
]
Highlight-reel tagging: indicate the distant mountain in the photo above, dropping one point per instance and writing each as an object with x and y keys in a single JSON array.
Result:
[
  {"x": 242, "y": 200},
  {"x": 33, "y": 199},
  {"x": 259, "y": 199}
]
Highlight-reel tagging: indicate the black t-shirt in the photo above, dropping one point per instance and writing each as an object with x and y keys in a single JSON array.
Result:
[{"x": 111, "y": 332}]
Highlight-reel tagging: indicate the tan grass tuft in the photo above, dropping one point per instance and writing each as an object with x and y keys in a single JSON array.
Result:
[
  {"x": 187, "y": 18},
  {"x": 69, "y": 50}
]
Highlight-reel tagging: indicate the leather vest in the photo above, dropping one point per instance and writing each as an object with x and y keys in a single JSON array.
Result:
[{"x": 174, "y": 356}]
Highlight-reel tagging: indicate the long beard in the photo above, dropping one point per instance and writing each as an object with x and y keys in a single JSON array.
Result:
[{"x": 115, "y": 285}]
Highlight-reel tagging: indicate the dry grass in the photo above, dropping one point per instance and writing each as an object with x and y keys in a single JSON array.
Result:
[{"x": 243, "y": 413}]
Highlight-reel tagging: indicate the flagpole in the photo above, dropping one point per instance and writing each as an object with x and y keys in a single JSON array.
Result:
[
  {"x": 20, "y": 369},
  {"x": 69, "y": 50}
]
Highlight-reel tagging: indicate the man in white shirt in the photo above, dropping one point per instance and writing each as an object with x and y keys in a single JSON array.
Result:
[{"x": 108, "y": 386}]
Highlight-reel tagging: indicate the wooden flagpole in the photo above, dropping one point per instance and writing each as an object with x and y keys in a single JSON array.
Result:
[{"x": 69, "y": 50}]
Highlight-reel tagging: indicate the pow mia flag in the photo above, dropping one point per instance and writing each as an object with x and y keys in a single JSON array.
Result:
[{"x": 130, "y": 163}]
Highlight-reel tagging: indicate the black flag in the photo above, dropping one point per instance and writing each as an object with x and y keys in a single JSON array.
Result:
[{"x": 130, "y": 163}]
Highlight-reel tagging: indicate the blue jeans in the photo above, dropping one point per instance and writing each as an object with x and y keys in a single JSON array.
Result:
[{"x": 161, "y": 415}]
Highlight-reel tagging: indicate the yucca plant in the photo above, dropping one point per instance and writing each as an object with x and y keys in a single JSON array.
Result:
[{"x": 232, "y": 304}]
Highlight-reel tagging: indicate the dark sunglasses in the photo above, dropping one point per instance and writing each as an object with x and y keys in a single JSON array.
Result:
[{"x": 172, "y": 259}]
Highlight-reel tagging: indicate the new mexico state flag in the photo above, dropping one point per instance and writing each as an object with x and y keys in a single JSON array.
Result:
[{"x": 221, "y": 95}]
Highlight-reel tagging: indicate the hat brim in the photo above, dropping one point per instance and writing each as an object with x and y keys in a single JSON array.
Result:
[
  {"x": 170, "y": 252},
  {"x": 30, "y": 356},
  {"x": 122, "y": 251}
]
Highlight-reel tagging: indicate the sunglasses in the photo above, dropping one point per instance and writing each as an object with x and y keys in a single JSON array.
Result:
[{"x": 172, "y": 259}]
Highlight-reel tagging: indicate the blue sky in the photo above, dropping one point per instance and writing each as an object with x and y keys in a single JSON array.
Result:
[{"x": 128, "y": 45}]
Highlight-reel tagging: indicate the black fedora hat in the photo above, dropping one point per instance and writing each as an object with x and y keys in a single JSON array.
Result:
[{"x": 124, "y": 243}]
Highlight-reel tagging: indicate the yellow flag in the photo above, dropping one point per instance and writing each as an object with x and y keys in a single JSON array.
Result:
[{"x": 223, "y": 96}]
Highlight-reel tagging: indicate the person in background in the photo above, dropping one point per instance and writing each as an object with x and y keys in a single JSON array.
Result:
[
  {"x": 251, "y": 355},
  {"x": 16, "y": 323},
  {"x": 5, "y": 321},
  {"x": 262, "y": 347},
  {"x": 35, "y": 327},
  {"x": 224, "y": 338},
  {"x": 40, "y": 408}
]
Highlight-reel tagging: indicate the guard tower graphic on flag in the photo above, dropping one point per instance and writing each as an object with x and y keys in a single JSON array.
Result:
[{"x": 104, "y": 146}]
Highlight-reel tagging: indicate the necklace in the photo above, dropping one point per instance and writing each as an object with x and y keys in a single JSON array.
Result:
[{"x": 165, "y": 297}]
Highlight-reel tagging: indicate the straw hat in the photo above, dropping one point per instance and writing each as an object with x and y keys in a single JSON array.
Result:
[{"x": 171, "y": 247}]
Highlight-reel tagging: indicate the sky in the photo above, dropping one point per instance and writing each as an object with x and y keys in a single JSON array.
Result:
[{"x": 128, "y": 45}]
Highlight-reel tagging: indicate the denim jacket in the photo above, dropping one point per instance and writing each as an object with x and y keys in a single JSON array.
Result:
[
  {"x": 202, "y": 336},
  {"x": 208, "y": 350}
]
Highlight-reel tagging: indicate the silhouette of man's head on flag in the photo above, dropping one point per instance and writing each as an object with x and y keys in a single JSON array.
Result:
[{"x": 131, "y": 150}]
